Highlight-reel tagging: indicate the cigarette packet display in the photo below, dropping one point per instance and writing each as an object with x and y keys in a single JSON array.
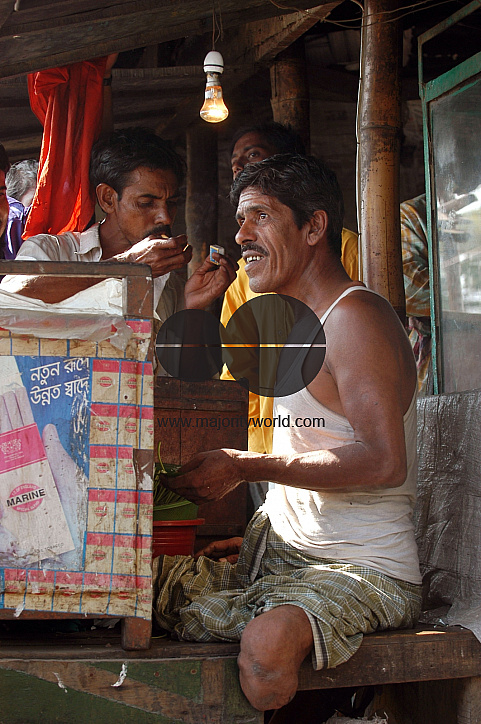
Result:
[
  {"x": 30, "y": 507},
  {"x": 74, "y": 415}
]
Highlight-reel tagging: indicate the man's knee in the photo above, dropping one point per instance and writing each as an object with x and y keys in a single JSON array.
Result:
[{"x": 273, "y": 647}]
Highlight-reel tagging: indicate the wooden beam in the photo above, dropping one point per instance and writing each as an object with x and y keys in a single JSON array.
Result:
[
  {"x": 6, "y": 10},
  {"x": 260, "y": 42},
  {"x": 157, "y": 74},
  {"x": 253, "y": 44},
  {"x": 68, "y": 12},
  {"x": 58, "y": 40}
]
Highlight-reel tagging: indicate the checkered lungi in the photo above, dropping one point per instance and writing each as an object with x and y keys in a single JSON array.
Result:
[{"x": 207, "y": 600}]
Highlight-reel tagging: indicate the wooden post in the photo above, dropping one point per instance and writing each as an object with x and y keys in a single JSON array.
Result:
[
  {"x": 290, "y": 91},
  {"x": 201, "y": 203},
  {"x": 379, "y": 139},
  {"x": 135, "y": 633},
  {"x": 469, "y": 703}
]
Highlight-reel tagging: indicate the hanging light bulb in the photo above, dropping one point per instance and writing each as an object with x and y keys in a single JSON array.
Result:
[{"x": 214, "y": 109}]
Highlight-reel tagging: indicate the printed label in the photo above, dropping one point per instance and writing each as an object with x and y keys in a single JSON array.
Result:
[
  {"x": 98, "y": 553},
  {"x": 26, "y": 497},
  {"x": 103, "y": 424},
  {"x": 103, "y": 463},
  {"x": 68, "y": 589},
  {"x": 32, "y": 513},
  {"x": 105, "y": 381},
  {"x": 126, "y": 512}
]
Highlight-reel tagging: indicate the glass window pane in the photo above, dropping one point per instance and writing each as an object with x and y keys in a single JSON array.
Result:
[{"x": 456, "y": 133}]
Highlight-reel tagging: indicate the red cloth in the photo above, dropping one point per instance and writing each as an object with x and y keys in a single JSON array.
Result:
[{"x": 68, "y": 102}]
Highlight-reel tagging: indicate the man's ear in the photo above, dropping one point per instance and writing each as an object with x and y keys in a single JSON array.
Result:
[
  {"x": 317, "y": 227},
  {"x": 106, "y": 196}
]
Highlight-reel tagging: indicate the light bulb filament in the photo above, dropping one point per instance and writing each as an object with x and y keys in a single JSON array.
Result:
[{"x": 214, "y": 109}]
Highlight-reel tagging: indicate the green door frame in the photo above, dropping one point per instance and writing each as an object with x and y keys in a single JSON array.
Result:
[{"x": 453, "y": 81}]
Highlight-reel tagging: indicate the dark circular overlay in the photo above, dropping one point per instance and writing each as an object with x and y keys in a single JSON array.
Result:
[
  {"x": 274, "y": 344},
  {"x": 188, "y": 345}
]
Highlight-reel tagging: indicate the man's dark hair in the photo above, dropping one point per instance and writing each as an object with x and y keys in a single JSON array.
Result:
[
  {"x": 303, "y": 183},
  {"x": 282, "y": 137},
  {"x": 117, "y": 155}
]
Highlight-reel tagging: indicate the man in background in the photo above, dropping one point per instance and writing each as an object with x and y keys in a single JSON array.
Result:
[
  {"x": 136, "y": 176},
  {"x": 21, "y": 181},
  {"x": 414, "y": 243},
  {"x": 4, "y": 209},
  {"x": 251, "y": 145}
]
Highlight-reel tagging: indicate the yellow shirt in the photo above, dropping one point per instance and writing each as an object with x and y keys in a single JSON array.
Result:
[{"x": 239, "y": 292}]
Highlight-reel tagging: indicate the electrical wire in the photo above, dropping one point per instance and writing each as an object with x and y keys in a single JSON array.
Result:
[
  {"x": 413, "y": 7},
  {"x": 213, "y": 26},
  {"x": 371, "y": 16},
  {"x": 404, "y": 15},
  {"x": 217, "y": 29}
]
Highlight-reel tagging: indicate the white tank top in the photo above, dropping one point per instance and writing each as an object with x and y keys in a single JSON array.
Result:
[{"x": 373, "y": 529}]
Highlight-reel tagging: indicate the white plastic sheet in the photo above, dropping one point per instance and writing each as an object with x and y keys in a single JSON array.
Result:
[
  {"x": 94, "y": 314},
  {"x": 448, "y": 511}
]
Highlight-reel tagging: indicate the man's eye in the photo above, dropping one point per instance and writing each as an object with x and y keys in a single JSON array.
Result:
[
  {"x": 145, "y": 204},
  {"x": 253, "y": 154},
  {"x": 262, "y": 215}
]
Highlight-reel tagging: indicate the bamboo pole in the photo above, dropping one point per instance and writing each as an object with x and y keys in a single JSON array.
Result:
[{"x": 379, "y": 149}]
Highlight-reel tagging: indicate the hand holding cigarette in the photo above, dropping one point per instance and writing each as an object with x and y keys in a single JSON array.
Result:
[{"x": 162, "y": 253}]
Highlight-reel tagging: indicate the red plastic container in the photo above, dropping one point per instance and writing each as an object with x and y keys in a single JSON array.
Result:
[{"x": 174, "y": 537}]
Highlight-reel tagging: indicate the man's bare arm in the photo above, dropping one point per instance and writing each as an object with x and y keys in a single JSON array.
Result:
[
  {"x": 374, "y": 372},
  {"x": 163, "y": 255},
  {"x": 48, "y": 289}
]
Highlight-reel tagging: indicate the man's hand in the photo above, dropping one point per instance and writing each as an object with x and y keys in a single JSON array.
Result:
[
  {"x": 111, "y": 60},
  {"x": 222, "y": 550},
  {"x": 209, "y": 476},
  {"x": 162, "y": 255},
  {"x": 209, "y": 281}
]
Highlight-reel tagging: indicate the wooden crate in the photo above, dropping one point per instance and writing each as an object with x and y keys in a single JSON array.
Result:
[
  {"x": 60, "y": 375},
  {"x": 195, "y": 417}
]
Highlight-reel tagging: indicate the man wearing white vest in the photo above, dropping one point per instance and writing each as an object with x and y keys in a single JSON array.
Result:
[{"x": 331, "y": 554}]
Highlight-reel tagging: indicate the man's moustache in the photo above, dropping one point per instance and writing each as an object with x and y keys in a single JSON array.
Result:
[
  {"x": 253, "y": 247},
  {"x": 159, "y": 231}
]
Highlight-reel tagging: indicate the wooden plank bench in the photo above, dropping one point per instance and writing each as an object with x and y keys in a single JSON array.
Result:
[
  {"x": 431, "y": 674},
  {"x": 428, "y": 675}
]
